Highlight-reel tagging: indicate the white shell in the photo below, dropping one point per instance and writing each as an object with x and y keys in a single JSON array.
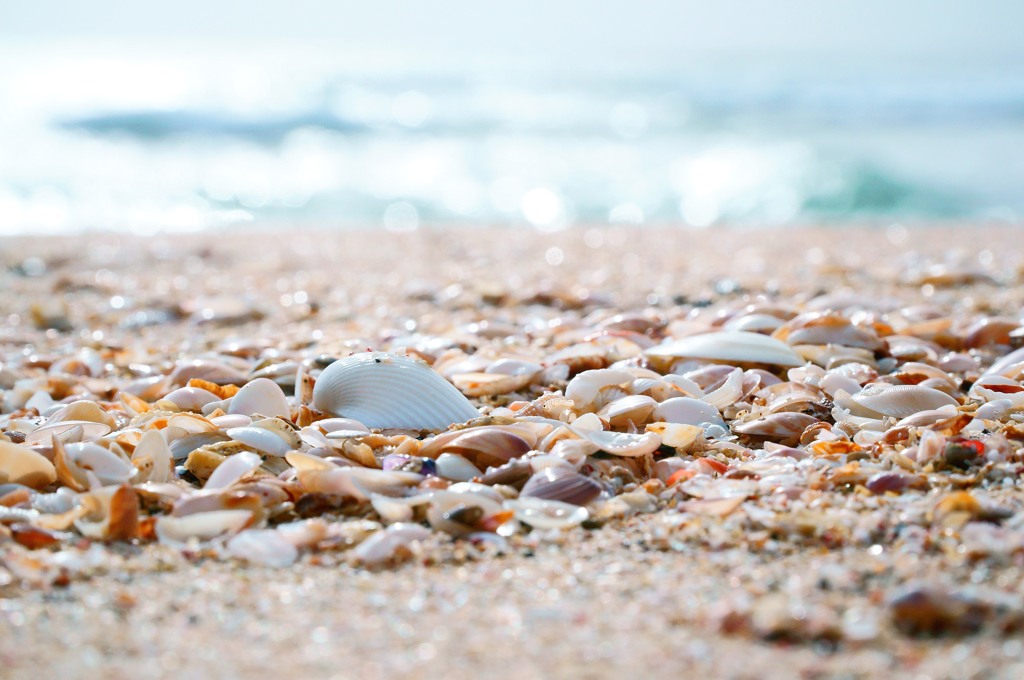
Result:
[
  {"x": 687, "y": 411},
  {"x": 261, "y": 439},
  {"x": 262, "y": 396},
  {"x": 202, "y": 526},
  {"x": 383, "y": 390},
  {"x": 384, "y": 545},
  {"x": 265, "y": 547},
  {"x": 738, "y": 346},
  {"x": 546, "y": 514},
  {"x": 232, "y": 469},
  {"x": 191, "y": 398},
  {"x": 107, "y": 466},
  {"x": 898, "y": 401}
]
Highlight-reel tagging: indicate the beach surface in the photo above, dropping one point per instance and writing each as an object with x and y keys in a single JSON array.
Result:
[{"x": 817, "y": 577}]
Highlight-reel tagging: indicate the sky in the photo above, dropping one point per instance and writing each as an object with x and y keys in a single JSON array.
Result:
[{"x": 572, "y": 33}]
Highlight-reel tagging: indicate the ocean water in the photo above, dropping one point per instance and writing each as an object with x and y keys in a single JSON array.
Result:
[{"x": 186, "y": 142}]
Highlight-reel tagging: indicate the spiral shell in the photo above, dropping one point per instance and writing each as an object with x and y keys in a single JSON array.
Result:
[{"x": 383, "y": 390}]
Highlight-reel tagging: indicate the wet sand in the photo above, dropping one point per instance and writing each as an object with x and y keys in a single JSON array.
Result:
[{"x": 630, "y": 597}]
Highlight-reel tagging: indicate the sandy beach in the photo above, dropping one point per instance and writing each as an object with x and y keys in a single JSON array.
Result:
[{"x": 857, "y": 549}]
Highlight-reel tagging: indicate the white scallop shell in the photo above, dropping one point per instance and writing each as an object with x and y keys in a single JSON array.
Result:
[
  {"x": 738, "y": 346},
  {"x": 383, "y": 390}
]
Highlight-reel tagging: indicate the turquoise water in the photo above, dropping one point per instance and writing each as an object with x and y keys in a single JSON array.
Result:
[{"x": 190, "y": 143}]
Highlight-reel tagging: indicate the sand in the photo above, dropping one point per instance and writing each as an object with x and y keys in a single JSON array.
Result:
[{"x": 628, "y": 598}]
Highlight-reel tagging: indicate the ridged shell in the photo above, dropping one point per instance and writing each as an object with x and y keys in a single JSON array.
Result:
[
  {"x": 739, "y": 346},
  {"x": 562, "y": 484},
  {"x": 390, "y": 391},
  {"x": 898, "y": 401}
]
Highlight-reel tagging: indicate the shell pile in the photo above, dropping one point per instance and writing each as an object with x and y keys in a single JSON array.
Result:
[{"x": 745, "y": 417}]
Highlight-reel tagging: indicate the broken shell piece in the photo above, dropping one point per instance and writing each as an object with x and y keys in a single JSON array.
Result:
[
  {"x": 542, "y": 513},
  {"x": 730, "y": 346},
  {"x": 82, "y": 464},
  {"x": 202, "y": 526},
  {"x": 261, "y": 439},
  {"x": 232, "y": 469},
  {"x": 383, "y": 390},
  {"x": 22, "y": 465}
]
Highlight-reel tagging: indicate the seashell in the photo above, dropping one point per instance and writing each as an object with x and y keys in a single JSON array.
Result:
[
  {"x": 585, "y": 387},
  {"x": 304, "y": 533},
  {"x": 393, "y": 544},
  {"x": 624, "y": 412},
  {"x": 460, "y": 513},
  {"x": 483, "y": 446},
  {"x": 110, "y": 513},
  {"x": 192, "y": 423},
  {"x": 202, "y": 526},
  {"x": 729, "y": 346},
  {"x": 729, "y": 393},
  {"x": 454, "y": 466},
  {"x": 898, "y": 401},
  {"x": 990, "y": 331},
  {"x": 687, "y": 411},
  {"x": 383, "y": 390},
  {"x": 562, "y": 484},
  {"x": 676, "y": 435},
  {"x": 754, "y": 323},
  {"x": 209, "y": 370},
  {"x": 817, "y": 328},
  {"x": 624, "y": 443},
  {"x": 82, "y": 410},
  {"x": 90, "y": 431},
  {"x": 1010, "y": 366},
  {"x": 196, "y": 503},
  {"x": 22, "y": 465},
  {"x": 356, "y": 482},
  {"x": 262, "y": 396},
  {"x": 542, "y": 513},
  {"x": 227, "y": 421},
  {"x": 191, "y": 398},
  {"x": 265, "y": 547},
  {"x": 85, "y": 464},
  {"x": 232, "y": 469},
  {"x": 153, "y": 458},
  {"x": 328, "y": 425},
  {"x": 486, "y": 384},
  {"x": 261, "y": 439},
  {"x": 783, "y": 425},
  {"x": 182, "y": 447}
]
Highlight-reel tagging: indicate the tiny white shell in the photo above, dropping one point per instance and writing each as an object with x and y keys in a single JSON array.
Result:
[
  {"x": 385, "y": 545},
  {"x": 739, "y": 346},
  {"x": 383, "y": 390}
]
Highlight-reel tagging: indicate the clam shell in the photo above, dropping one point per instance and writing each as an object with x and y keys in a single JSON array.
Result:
[
  {"x": 562, "y": 484},
  {"x": 85, "y": 460},
  {"x": 191, "y": 398},
  {"x": 739, "y": 346},
  {"x": 390, "y": 391},
  {"x": 233, "y": 469},
  {"x": 687, "y": 411},
  {"x": 390, "y": 544},
  {"x": 898, "y": 401},
  {"x": 153, "y": 458},
  {"x": 22, "y": 465},
  {"x": 262, "y": 396},
  {"x": 261, "y": 439}
]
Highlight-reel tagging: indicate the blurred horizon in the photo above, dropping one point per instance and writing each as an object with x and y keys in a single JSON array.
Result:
[{"x": 125, "y": 116}]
